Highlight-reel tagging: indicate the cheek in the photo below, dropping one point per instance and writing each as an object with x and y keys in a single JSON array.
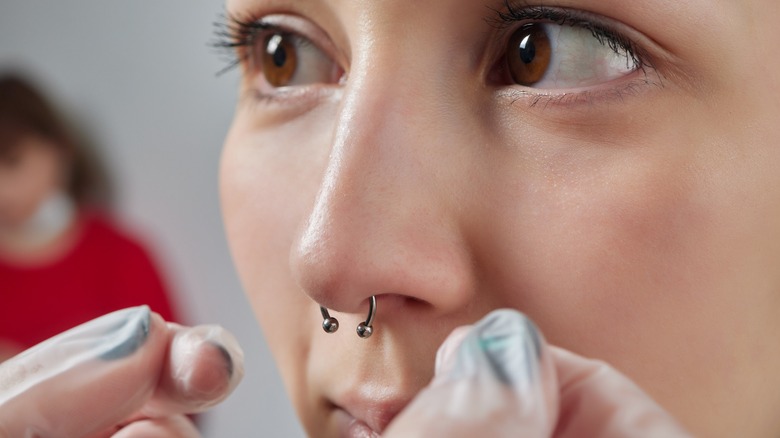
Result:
[
  {"x": 268, "y": 182},
  {"x": 633, "y": 255},
  {"x": 603, "y": 246},
  {"x": 603, "y": 241},
  {"x": 24, "y": 187},
  {"x": 626, "y": 246}
]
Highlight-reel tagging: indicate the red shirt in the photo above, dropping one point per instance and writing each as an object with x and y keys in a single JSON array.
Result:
[{"x": 106, "y": 270}]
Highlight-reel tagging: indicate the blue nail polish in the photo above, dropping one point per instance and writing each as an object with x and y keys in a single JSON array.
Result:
[
  {"x": 512, "y": 346},
  {"x": 130, "y": 335}
]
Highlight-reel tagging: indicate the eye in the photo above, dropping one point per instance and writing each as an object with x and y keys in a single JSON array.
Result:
[
  {"x": 279, "y": 60},
  {"x": 560, "y": 56},
  {"x": 528, "y": 54},
  {"x": 283, "y": 59},
  {"x": 277, "y": 52}
]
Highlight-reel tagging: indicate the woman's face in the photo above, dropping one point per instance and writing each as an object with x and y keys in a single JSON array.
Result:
[
  {"x": 30, "y": 171},
  {"x": 607, "y": 167}
]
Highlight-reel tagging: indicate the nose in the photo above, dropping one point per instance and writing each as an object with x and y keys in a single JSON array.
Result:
[{"x": 386, "y": 220}]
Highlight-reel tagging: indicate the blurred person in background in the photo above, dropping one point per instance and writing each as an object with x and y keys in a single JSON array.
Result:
[{"x": 63, "y": 260}]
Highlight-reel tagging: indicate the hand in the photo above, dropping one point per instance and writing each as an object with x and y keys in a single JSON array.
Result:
[
  {"x": 126, "y": 374},
  {"x": 499, "y": 378}
]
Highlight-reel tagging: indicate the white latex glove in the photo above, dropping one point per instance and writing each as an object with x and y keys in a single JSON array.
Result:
[
  {"x": 499, "y": 378},
  {"x": 126, "y": 374}
]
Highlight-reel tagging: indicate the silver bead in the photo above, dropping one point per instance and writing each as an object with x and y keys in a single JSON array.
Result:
[
  {"x": 364, "y": 331},
  {"x": 330, "y": 325}
]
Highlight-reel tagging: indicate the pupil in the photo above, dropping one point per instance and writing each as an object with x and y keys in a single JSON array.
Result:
[
  {"x": 527, "y": 50},
  {"x": 280, "y": 56},
  {"x": 275, "y": 48}
]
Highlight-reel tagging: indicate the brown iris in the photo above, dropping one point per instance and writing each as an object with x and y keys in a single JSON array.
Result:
[
  {"x": 280, "y": 60},
  {"x": 528, "y": 54}
]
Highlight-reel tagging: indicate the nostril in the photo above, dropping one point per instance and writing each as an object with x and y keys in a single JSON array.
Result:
[{"x": 393, "y": 302}]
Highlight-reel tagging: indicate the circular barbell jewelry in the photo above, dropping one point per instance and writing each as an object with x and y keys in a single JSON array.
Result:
[{"x": 364, "y": 329}]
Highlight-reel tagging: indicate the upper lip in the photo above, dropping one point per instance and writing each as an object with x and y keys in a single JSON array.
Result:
[{"x": 376, "y": 407}]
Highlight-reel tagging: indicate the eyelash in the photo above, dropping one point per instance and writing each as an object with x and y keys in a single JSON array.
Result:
[{"x": 234, "y": 33}]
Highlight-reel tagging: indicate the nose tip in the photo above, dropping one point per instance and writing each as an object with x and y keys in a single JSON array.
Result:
[
  {"x": 335, "y": 268},
  {"x": 352, "y": 248}
]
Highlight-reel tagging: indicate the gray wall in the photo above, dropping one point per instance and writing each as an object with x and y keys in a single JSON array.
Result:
[{"x": 140, "y": 78}]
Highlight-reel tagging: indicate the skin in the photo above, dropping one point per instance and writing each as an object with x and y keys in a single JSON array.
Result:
[
  {"x": 30, "y": 172},
  {"x": 639, "y": 227}
]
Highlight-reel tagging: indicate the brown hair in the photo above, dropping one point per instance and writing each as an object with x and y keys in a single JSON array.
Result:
[{"x": 24, "y": 111}]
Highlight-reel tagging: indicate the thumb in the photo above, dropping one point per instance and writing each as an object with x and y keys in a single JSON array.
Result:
[
  {"x": 84, "y": 380},
  {"x": 598, "y": 401},
  {"x": 493, "y": 379}
]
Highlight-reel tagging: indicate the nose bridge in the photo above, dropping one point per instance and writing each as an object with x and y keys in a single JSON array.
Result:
[
  {"x": 380, "y": 142},
  {"x": 381, "y": 223},
  {"x": 398, "y": 106}
]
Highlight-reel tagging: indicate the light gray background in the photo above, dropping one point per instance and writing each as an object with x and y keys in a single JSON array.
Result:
[{"x": 140, "y": 78}]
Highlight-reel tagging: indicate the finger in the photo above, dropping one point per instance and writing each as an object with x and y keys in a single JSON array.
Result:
[
  {"x": 446, "y": 354},
  {"x": 86, "y": 379},
  {"x": 203, "y": 366},
  {"x": 598, "y": 401},
  {"x": 169, "y": 427},
  {"x": 498, "y": 381}
]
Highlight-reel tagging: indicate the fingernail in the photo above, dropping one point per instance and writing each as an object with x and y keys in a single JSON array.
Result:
[
  {"x": 129, "y": 335},
  {"x": 225, "y": 355},
  {"x": 231, "y": 351},
  {"x": 505, "y": 345},
  {"x": 512, "y": 346}
]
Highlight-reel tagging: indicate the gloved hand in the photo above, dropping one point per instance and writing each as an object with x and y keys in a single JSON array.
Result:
[
  {"x": 126, "y": 374},
  {"x": 499, "y": 378}
]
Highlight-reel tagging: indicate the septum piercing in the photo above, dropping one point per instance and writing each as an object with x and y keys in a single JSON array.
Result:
[{"x": 364, "y": 329}]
